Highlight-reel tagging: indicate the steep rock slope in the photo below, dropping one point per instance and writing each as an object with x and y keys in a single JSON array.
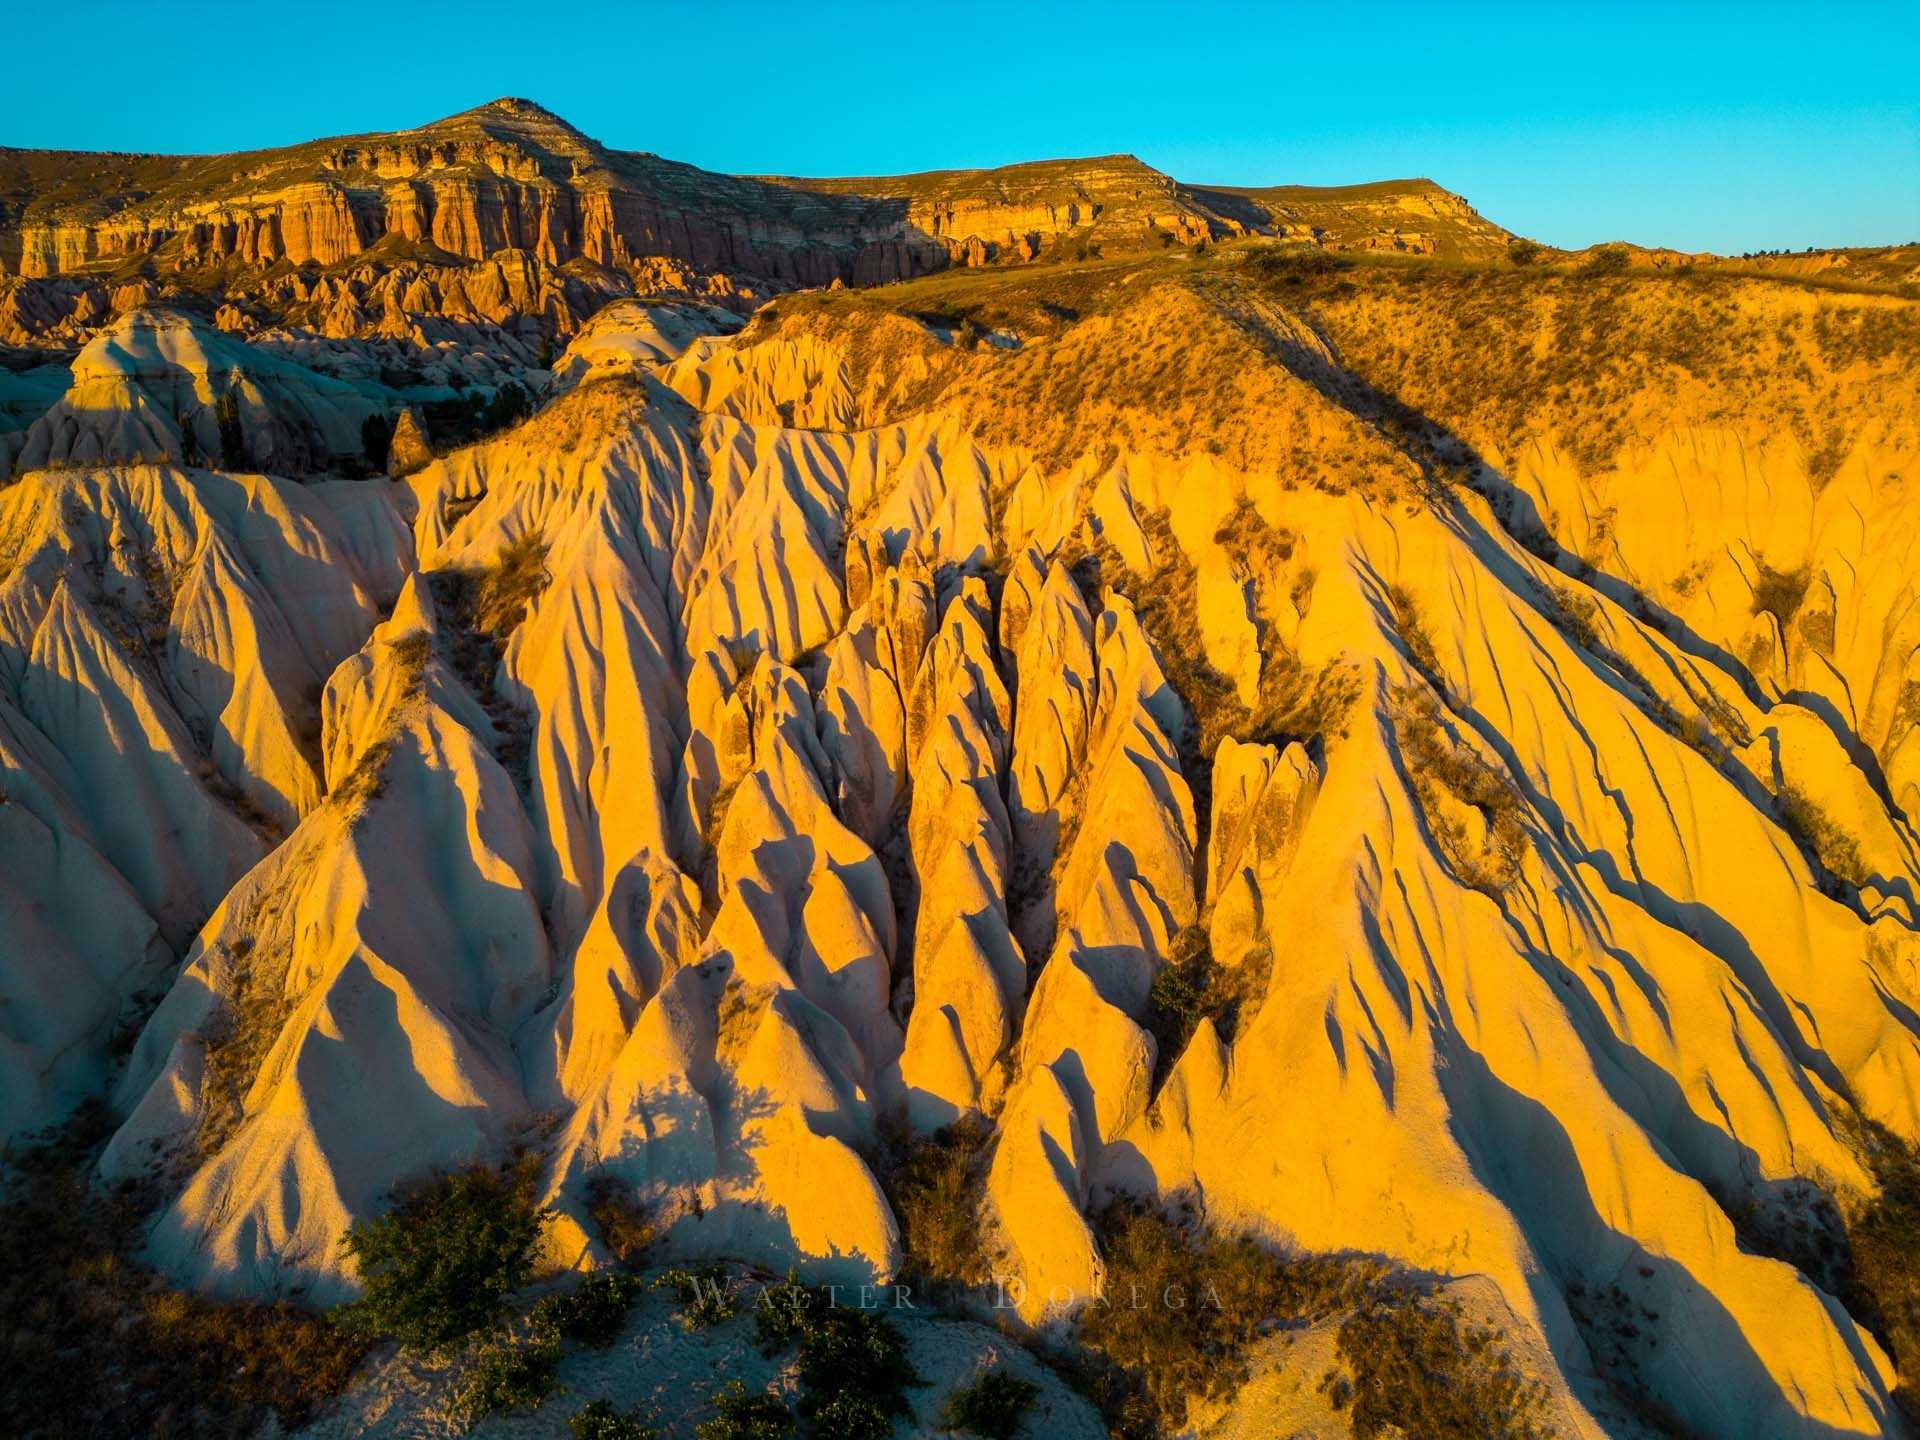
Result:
[
  {"x": 786, "y": 739},
  {"x": 163, "y": 638},
  {"x": 151, "y": 387}
]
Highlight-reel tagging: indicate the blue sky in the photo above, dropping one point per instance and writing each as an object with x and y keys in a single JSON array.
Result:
[{"x": 1703, "y": 126}]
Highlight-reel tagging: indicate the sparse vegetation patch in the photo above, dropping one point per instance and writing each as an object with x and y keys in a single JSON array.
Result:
[
  {"x": 443, "y": 1263},
  {"x": 937, "y": 1189},
  {"x": 1822, "y": 837},
  {"x": 992, "y": 1405},
  {"x": 1410, "y": 1365},
  {"x": 93, "y": 1343},
  {"x": 853, "y": 1367},
  {"x": 1193, "y": 986},
  {"x": 1472, "y": 811}
]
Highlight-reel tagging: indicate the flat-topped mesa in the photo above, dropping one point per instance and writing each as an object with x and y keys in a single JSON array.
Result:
[
  {"x": 1016, "y": 208},
  {"x": 508, "y": 175},
  {"x": 511, "y": 175},
  {"x": 1414, "y": 217}
]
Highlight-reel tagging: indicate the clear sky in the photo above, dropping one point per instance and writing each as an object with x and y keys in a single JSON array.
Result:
[{"x": 1702, "y": 126}]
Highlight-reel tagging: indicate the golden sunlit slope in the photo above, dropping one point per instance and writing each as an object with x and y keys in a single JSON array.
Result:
[
  {"x": 1409, "y": 217},
  {"x": 1388, "y": 759}
]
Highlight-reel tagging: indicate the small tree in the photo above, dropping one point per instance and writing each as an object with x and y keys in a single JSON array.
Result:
[
  {"x": 442, "y": 1263},
  {"x": 509, "y": 405},
  {"x": 233, "y": 440},
  {"x": 1523, "y": 252},
  {"x": 1608, "y": 260},
  {"x": 189, "y": 441},
  {"x": 376, "y": 439},
  {"x": 991, "y": 1406}
]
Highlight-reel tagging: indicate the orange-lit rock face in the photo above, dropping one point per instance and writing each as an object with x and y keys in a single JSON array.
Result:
[
  {"x": 509, "y": 176},
  {"x": 1216, "y": 722}
]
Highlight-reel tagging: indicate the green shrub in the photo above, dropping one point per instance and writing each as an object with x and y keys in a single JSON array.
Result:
[
  {"x": 1192, "y": 986},
  {"x": 1412, "y": 1367},
  {"x": 600, "y": 1421},
  {"x": 1176, "y": 1001},
  {"x": 703, "y": 1294},
  {"x": 854, "y": 1373},
  {"x": 780, "y": 1315},
  {"x": 992, "y": 1405},
  {"x": 745, "y": 1415},
  {"x": 441, "y": 1265},
  {"x": 853, "y": 1366},
  {"x": 594, "y": 1312},
  {"x": 1523, "y": 252},
  {"x": 507, "y": 1376}
]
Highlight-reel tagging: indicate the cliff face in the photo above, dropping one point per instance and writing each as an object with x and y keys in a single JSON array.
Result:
[
  {"x": 1407, "y": 217},
  {"x": 511, "y": 176},
  {"x": 508, "y": 176},
  {"x": 1014, "y": 211}
]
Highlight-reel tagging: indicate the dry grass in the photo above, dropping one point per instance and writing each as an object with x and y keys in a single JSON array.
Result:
[
  {"x": 1883, "y": 1242},
  {"x": 480, "y": 609},
  {"x": 1780, "y": 593},
  {"x": 92, "y": 1343},
  {"x": 1835, "y": 851},
  {"x": 626, "y": 1226},
  {"x": 1193, "y": 986},
  {"x": 255, "y": 1003},
  {"x": 1447, "y": 776},
  {"x": 1412, "y": 629},
  {"x": 1182, "y": 1309},
  {"x": 1290, "y": 702},
  {"x": 937, "y": 1188},
  {"x": 1411, "y": 1365}
]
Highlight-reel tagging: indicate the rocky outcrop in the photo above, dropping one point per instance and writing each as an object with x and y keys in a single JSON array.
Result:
[
  {"x": 740, "y": 782},
  {"x": 158, "y": 385}
]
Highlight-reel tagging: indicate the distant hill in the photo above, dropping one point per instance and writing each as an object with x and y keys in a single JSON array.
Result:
[
  {"x": 512, "y": 175},
  {"x": 1407, "y": 216}
]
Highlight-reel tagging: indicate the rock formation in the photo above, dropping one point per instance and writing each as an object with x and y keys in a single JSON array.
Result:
[{"x": 1212, "y": 738}]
